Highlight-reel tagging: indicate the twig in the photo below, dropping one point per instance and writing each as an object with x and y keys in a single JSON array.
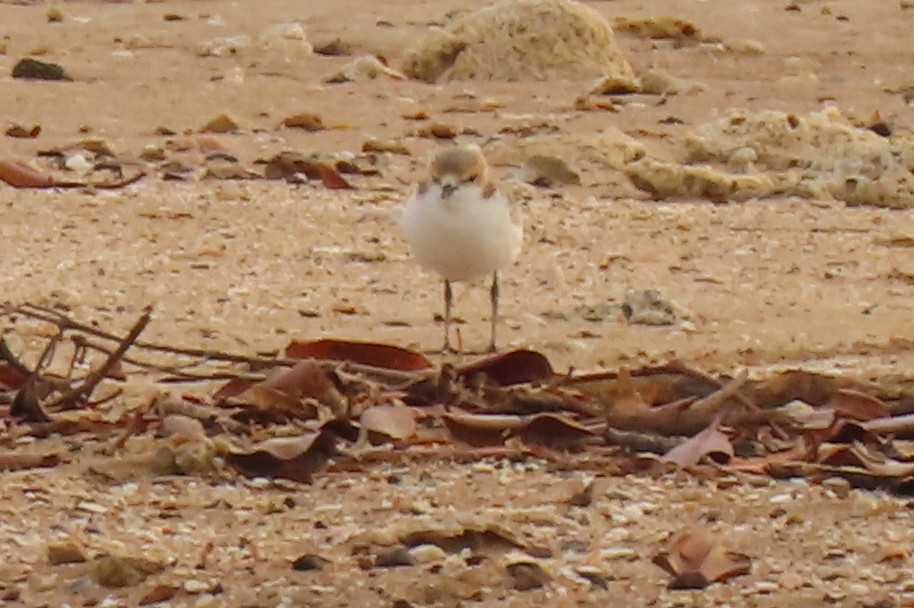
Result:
[
  {"x": 679, "y": 366},
  {"x": 64, "y": 321},
  {"x": 7, "y": 355},
  {"x": 88, "y": 385},
  {"x": 641, "y": 442}
]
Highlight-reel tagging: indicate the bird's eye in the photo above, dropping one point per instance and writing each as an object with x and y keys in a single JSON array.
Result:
[{"x": 469, "y": 180}]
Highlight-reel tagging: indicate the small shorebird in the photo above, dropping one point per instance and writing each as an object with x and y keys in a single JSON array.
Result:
[{"x": 459, "y": 225}]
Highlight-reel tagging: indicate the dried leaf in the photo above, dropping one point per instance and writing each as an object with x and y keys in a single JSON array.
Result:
[
  {"x": 549, "y": 429},
  {"x": 20, "y": 174},
  {"x": 396, "y": 422},
  {"x": 710, "y": 442},
  {"x": 792, "y": 385},
  {"x": 857, "y": 405},
  {"x": 331, "y": 178},
  {"x": 21, "y": 132},
  {"x": 11, "y": 378},
  {"x": 296, "y": 458},
  {"x": 696, "y": 559},
  {"x": 290, "y": 166},
  {"x": 365, "y": 353},
  {"x": 285, "y": 391},
  {"x": 513, "y": 367},
  {"x": 554, "y": 430}
]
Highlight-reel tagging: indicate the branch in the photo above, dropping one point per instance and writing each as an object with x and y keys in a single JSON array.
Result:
[{"x": 88, "y": 385}]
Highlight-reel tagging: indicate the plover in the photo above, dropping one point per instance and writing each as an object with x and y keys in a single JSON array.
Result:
[{"x": 459, "y": 225}]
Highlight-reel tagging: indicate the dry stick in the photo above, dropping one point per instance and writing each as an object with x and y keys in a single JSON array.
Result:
[
  {"x": 91, "y": 381},
  {"x": 681, "y": 367},
  {"x": 52, "y": 316},
  {"x": 7, "y": 355},
  {"x": 715, "y": 401}
]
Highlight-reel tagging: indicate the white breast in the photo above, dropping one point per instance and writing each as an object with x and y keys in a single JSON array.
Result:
[{"x": 464, "y": 236}]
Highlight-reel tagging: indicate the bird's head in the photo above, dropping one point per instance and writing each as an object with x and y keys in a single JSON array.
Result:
[{"x": 455, "y": 167}]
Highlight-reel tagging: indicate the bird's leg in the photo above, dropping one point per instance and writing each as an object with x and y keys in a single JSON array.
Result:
[
  {"x": 448, "y": 303},
  {"x": 493, "y": 295}
]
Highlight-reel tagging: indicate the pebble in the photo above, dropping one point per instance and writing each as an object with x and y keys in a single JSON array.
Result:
[
  {"x": 428, "y": 553},
  {"x": 839, "y": 486}
]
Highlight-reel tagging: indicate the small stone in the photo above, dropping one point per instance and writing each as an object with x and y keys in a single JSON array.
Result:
[
  {"x": 333, "y": 48},
  {"x": 437, "y": 130},
  {"x": 393, "y": 558},
  {"x": 765, "y": 587},
  {"x": 840, "y": 486},
  {"x": 33, "y": 69},
  {"x": 649, "y": 307},
  {"x": 428, "y": 553},
  {"x": 307, "y": 121},
  {"x": 385, "y": 146},
  {"x": 114, "y": 571},
  {"x": 153, "y": 153},
  {"x": 65, "y": 553},
  {"x": 78, "y": 164},
  {"x": 526, "y": 575},
  {"x": 221, "y": 124},
  {"x": 549, "y": 172},
  {"x": 54, "y": 15},
  {"x": 309, "y": 562}
]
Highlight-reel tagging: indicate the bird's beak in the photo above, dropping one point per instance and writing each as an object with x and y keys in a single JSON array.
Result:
[{"x": 448, "y": 186}]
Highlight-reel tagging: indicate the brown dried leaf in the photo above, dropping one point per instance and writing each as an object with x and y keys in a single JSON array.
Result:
[
  {"x": 19, "y": 174},
  {"x": 331, "y": 178},
  {"x": 696, "y": 559},
  {"x": 396, "y": 422},
  {"x": 11, "y": 378},
  {"x": 710, "y": 442},
  {"x": 295, "y": 458},
  {"x": 791, "y": 385},
  {"x": 21, "y": 132},
  {"x": 556, "y": 430},
  {"x": 857, "y": 405},
  {"x": 513, "y": 367},
  {"x": 305, "y": 380},
  {"x": 365, "y": 353}
]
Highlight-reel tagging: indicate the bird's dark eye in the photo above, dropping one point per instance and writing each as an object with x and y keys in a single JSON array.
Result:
[{"x": 469, "y": 180}]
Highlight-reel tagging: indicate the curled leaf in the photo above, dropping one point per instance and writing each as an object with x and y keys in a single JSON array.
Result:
[
  {"x": 365, "y": 353},
  {"x": 331, "y": 178},
  {"x": 396, "y": 422},
  {"x": 696, "y": 559},
  {"x": 19, "y": 174},
  {"x": 513, "y": 367},
  {"x": 296, "y": 458},
  {"x": 710, "y": 442}
]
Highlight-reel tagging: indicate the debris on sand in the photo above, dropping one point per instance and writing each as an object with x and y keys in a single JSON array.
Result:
[
  {"x": 520, "y": 40},
  {"x": 748, "y": 155}
]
